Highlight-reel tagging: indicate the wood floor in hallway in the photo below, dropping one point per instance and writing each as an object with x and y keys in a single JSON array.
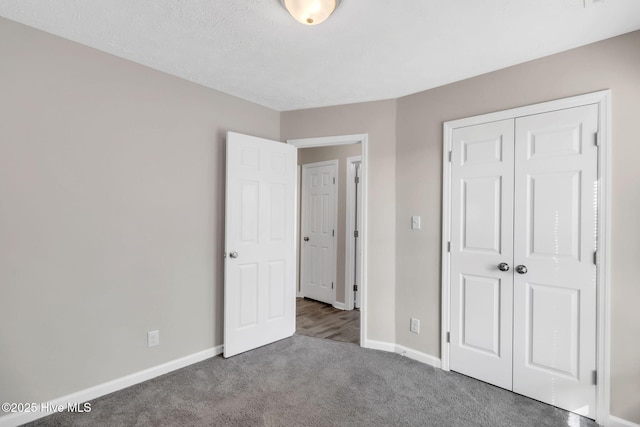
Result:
[{"x": 320, "y": 320}]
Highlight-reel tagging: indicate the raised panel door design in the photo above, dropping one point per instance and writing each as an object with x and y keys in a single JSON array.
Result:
[
  {"x": 481, "y": 214},
  {"x": 481, "y": 239},
  {"x": 260, "y": 276},
  {"x": 248, "y": 301},
  {"x": 554, "y": 141},
  {"x": 250, "y": 158},
  {"x": 278, "y": 163},
  {"x": 278, "y": 203},
  {"x": 552, "y": 347},
  {"x": 554, "y": 237},
  {"x": 524, "y": 192},
  {"x": 482, "y": 151},
  {"x": 249, "y": 211},
  {"x": 554, "y": 207},
  {"x": 481, "y": 314},
  {"x": 277, "y": 289},
  {"x": 318, "y": 225}
]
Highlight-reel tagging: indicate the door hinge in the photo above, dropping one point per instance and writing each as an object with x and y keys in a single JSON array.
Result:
[
  {"x": 450, "y": 154},
  {"x": 355, "y": 288},
  {"x": 333, "y": 232},
  {"x": 331, "y": 285},
  {"x": 597, "y": 141},
  {"x": 355, "y": 233},
  {"x": 357, "y": 180},
  {"x": 448, "y": 336},
  {"x": 334, "y": 179},
  {"x": 448, "y": 246},
  {"x": 595, "y": 377},
  {"x": 595, "y": 257}
]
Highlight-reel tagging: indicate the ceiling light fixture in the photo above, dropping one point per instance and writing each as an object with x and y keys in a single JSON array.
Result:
[{"x": 310, "y": 12}]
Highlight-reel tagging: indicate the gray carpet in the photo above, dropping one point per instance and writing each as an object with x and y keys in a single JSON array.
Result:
[{"x": 304, "y": 381}]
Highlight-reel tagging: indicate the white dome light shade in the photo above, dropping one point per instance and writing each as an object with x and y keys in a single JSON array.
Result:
[{"x": 310, "y": 12}]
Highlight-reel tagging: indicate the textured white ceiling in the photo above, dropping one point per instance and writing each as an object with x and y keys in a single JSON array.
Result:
[{"x": 368, "y": 50}]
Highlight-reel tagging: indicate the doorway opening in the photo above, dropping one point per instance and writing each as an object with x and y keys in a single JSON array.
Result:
[{"x": 347, "y": 233}]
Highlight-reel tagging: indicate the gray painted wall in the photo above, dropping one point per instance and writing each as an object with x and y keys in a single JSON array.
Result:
[{"x": 111, "y": 214}]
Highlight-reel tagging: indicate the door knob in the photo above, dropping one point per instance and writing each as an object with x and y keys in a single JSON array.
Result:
[
  {"x": 233, "y": 254},
  {"x": 522, "y": 269},
  {"x": 306, "y": 239},
  {"x": 503, "y": 266}
]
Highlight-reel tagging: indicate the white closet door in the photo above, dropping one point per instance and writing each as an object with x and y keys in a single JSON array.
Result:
[
  {"x": 482, "y": 239},
  {"x": 555, "y": 239}
]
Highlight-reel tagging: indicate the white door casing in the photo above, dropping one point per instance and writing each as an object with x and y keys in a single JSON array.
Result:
[
  {"x": 555, "y": 240},
  {"x": 353, "y": 221},
  {"x": 319, "y": 230},
  {"x": 560, "y": 165},
  {"x": 260, "y": 230},
  {"x": 482, "y": 238}
]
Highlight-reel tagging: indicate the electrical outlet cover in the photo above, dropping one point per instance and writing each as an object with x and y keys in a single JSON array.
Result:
[
  {"x": 153, "y": 338},
  {"x": 415, "y": 326}
]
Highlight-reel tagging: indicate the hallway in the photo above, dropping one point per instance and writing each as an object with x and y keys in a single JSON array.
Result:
[{"x": 317, "y": 319}]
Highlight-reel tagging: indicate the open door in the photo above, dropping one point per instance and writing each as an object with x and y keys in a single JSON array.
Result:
[{"x": 260, "y": 228}]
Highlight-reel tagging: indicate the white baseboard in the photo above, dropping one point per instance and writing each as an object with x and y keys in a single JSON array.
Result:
[
  {"x": 404, "y": 351},
  {"x": 419, "y": 356},
  {"x": 379, "y": 345},
  {"x": 339, "y": 305},
  {"x": 619, "y": 422},
  {"x": 94, "y": 392}
]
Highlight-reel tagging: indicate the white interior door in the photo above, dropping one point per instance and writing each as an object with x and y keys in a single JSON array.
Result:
[
  {"x": 524, "y": 196},
  {"x": 319, "y": 210},
  {"x": 555, "y": 240},
  {"x": 482, "y": 239},
  {"x": 260, "y": 227}
]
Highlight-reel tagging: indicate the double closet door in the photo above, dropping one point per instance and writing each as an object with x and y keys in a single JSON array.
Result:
[{"x": 522, "y": 256}]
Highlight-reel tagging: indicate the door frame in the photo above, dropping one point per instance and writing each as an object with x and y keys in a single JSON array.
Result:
[
  {"x": 342, "y": 140},
  {"x": 603, "y": 271},
  {"x": 303, "y": 224},
  {"x": 350, "y": 259}
]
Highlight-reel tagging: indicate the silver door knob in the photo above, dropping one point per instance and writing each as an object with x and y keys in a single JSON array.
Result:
[
  {"x": 503, "y": 266},
  {"x": 233, "y": 254},
  {"x": 521, "y": 269}
]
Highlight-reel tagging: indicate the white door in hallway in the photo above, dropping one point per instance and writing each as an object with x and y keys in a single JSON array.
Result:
[
  {"x": 260, "y": 229},
  {"x": 523, "y": 236},
  {"x": 319, "y": 217}
]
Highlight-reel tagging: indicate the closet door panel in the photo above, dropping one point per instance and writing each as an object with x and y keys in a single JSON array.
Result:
[
  {"x": 481, "y": 239},
  {"x": 554, "y": 240}
]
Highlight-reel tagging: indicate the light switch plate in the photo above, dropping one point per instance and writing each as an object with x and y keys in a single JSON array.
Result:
[{"x": 415, "y": 222}]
